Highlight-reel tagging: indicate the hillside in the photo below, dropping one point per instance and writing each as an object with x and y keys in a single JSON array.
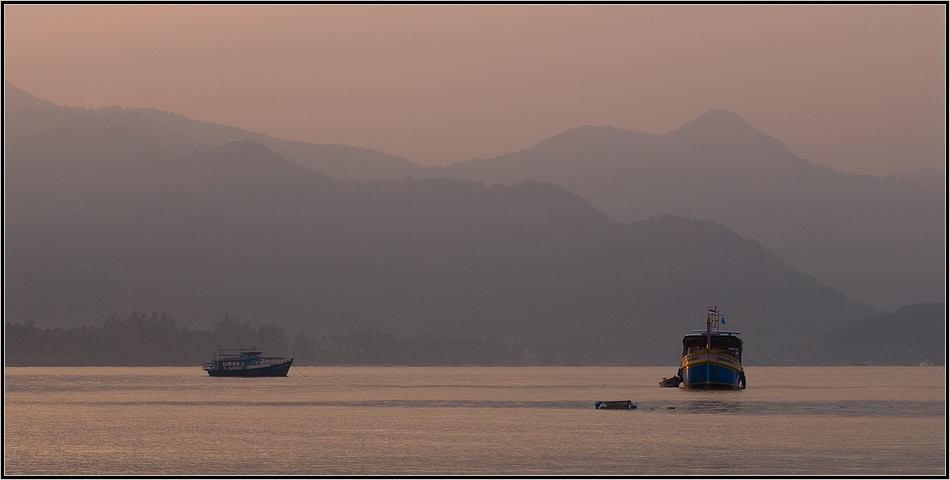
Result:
[
  {"x": 102, "y": 219},
  {"x": 932, "y": 179},
  {"x": 879, "y": 240},
  {"x": 181, "y": 135},
  {"x": 908, "y": 336}
]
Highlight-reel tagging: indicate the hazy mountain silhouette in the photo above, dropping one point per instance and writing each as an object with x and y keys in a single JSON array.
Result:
[
  {"x": 25, "y": 114},
  {"x": 181, "y": 135},
  {"x": 102, "y": 218},
  {"x": 908, "y": 336},
  {"x": 880, "y": 240},
  {"x": 934, "y": 180},
  {"x": 119, "y": 209}
]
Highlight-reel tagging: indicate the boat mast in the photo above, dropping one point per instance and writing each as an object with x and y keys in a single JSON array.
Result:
[{"x": 712, "y": 311}]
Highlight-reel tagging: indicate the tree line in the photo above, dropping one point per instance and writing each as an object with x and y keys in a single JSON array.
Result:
[
  {"x": 908, "y": 336},
  {"x": 157, "y": 340}
]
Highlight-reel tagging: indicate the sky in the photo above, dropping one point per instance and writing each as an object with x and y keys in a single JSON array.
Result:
[{"x": 859, "y": 88}]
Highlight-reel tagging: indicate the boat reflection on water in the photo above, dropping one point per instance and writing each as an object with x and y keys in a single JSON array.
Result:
[{"x": 712, "y": 406}]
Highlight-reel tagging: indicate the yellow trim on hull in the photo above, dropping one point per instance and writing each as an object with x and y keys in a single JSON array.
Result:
[{"x": 691, "y": 361}]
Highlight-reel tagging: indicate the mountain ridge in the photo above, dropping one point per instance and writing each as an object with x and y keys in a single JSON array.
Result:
[
  {"x": 241, "y": 229},
  {"x": 849, "y": 231},
  {"x": 719, "y": 167}
]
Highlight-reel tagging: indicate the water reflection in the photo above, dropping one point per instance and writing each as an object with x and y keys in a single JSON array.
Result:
[
  {"x": 490, "y": 421},
  {"x": 856, "y": 408},
  {"x": 712, "y": 406}
]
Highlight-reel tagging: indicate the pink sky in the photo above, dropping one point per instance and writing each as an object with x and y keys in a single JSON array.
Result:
[{"x": 859, "y": 88}]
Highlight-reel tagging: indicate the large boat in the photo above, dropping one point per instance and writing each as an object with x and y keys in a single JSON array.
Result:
[
  {"x": 246, "y": 362},
  {"x": 712, "y": 358}
]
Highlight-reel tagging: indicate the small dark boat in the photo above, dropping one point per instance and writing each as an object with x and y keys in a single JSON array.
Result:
[
  {"x": 616, "y": 405},
  {"x": 673, "y": 381},
  {"x": 246, "y": 362}
]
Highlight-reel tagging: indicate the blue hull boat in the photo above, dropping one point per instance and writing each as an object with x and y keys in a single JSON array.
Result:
[
  {"x": 711, "y": 370},
  {"x": 712, "y": 358}
]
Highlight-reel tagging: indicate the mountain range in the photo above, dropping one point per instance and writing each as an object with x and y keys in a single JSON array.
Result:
[
  {"x": 880, "y": 240},
  {"x": 122, "y": 209}
]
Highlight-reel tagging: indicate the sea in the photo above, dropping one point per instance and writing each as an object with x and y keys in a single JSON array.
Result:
[{"x": 487, "y": 421}]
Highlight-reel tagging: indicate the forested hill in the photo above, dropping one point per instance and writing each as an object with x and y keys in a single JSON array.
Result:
[
  {"x": 104, "y": 219},
  {"x": 909, "y": 336}
]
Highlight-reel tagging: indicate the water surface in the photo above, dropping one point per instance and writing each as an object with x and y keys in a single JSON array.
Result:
[{"x": 472, "y": 420}]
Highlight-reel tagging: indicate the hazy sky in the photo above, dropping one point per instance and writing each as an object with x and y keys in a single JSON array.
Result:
[{"x": 857, "y": 87}]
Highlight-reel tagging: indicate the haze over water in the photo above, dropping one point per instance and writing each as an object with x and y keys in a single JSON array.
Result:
[
  {"x": 859, "y": 88},
  {"x": 477, "y": 420}
]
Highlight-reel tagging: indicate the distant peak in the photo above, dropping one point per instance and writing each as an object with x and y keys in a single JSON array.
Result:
[
  {"x": 718, "y": 119},
  {"x": 720, "y": 115},
  {"x": 717, "y": 126}
]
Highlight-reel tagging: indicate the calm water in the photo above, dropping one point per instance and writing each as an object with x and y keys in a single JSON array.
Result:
[{"x": 479, "y": 420}]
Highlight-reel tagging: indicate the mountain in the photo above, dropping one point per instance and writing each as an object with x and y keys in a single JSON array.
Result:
[
  {"x": 24, "y": 114},
  {"x": 932, "y": 179},
  {"x": 879, "y": 240},
  {"x": 181, "y": 135},
  {"x": 101, "y": 218},
  {"x": 908, "y": 336}
]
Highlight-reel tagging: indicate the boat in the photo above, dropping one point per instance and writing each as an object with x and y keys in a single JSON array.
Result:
[
  {"x": 712, "y": 358},
  {"x": 673, "y": 381},
  {"x": 616, "y": 405},
  {"x": 246, "y": 362}
]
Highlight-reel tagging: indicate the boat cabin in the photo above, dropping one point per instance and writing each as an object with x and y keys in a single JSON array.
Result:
[
  {"x": 720, "y": 342},
  {"x": 235, "y": 358},
  {"x": 251, "y": 358},
  {"x": 246, "y": 362}
]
